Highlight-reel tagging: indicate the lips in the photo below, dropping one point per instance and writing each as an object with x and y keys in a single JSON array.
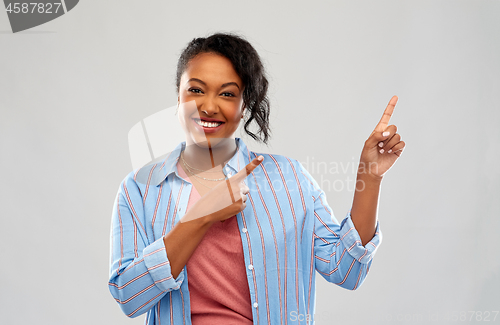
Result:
[
  {"x": 208, "y": 125},
  {"x": 208, "y": 119}
]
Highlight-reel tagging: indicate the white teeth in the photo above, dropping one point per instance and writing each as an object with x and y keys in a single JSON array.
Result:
[{"x": 208, "y": 124}]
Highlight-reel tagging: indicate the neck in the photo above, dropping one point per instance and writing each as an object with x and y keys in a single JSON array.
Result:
[{"x": 210, "y": 154}]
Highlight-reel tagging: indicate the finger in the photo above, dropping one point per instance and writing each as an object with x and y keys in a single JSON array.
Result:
[
  {"x": 244, "y": 188},
  {"x": 233, "y": 190},
  {"x": 242, "y": 174},
  {"x": 391, "y": 143},
  {"x": 384, "y": 121},
  {"x": 397, "y": 149},
  {"x": 377, "y": 137}
]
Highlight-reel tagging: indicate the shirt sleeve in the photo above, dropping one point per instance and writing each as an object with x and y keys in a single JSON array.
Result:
[
  {"x": 140, "y": 273},
  {"x": 339, "y": 254}
]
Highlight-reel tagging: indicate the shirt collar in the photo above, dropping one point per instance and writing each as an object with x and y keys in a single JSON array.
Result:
[{"x": 239, "y": 160}]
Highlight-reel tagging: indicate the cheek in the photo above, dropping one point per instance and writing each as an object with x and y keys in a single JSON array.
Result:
[
  {"x": 186, "y": 111},
  {"x": 183, "y": 97},
  {"x": 187, "y": 103},
  {"x": 234, "y": 112}
]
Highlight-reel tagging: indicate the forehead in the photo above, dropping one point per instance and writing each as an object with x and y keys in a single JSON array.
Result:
[{"x": 211, "y": 68}]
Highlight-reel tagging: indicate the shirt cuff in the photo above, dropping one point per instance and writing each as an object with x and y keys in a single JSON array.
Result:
[
  {"x": 352, "y": 241},
  {"x": 155, "y": 258}
]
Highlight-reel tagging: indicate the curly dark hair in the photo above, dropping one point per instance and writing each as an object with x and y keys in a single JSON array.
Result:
[{"x": 247, "y": 64}]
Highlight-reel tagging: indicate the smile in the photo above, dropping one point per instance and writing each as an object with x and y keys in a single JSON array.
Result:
[{"x": 207, "y": 124}]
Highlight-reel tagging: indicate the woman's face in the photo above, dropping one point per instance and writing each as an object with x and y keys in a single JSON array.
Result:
[{"x": 212, "y": 83}]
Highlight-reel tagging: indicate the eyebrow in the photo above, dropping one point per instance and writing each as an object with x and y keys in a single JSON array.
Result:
[{"x": 223, "y": 85}]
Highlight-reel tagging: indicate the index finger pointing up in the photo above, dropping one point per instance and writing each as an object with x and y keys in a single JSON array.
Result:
[
  {"x": 242, "y": 174},
  {"x": 384, "y": 121}
]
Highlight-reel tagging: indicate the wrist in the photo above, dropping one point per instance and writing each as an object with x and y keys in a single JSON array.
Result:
[
  {"x": 194, "y": 217},
  {"x": 369, "y": 178}
]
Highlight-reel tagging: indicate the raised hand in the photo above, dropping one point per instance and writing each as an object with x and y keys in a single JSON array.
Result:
[
  {"x": 383, "y": 147},
  {"x": 224, "y": 200}
]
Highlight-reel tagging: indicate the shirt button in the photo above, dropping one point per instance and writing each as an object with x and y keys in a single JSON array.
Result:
[
  {"x": 180, "y": 208},
  {"x": 244, "y": 230},
  {"x": 255, "y": 304},
  {"x": 250, "y": 267}
]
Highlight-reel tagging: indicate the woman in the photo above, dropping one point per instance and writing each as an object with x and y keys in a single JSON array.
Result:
[{"x": 171, "y": 257}]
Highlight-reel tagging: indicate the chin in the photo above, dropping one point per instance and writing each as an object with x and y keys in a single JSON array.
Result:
[{"x": 202, "y": 142}]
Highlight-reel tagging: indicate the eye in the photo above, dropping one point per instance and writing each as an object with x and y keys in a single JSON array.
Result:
[
  {"x": 195, "y": 90},
  {"x": 227, "y": 94}
]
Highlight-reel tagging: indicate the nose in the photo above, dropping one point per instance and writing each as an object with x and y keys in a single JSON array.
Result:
[{"x": 209, "y": 106}]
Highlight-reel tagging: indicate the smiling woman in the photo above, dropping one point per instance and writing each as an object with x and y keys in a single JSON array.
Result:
[
  {"x": 229, "y": 60},
  {"x": 171, "y": 257},
  {"x": 217, "y": 90}
]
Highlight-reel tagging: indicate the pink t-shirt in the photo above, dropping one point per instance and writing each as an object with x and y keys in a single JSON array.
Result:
[{"x": 217, "y": 280}]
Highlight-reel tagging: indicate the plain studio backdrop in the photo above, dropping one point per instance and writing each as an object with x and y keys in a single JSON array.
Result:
[{"x": 71, "y": 89}]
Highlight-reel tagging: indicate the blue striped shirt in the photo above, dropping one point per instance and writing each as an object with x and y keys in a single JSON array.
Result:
[{"x": 287, "y": 229}]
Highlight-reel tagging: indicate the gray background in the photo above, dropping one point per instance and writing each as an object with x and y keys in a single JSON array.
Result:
[{"x": 71, "y": 89}]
